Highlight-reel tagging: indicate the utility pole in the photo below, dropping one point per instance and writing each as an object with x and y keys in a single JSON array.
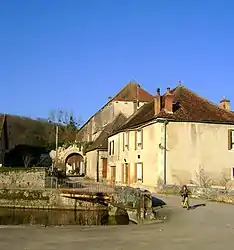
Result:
[{"x": 56, "y": 146}]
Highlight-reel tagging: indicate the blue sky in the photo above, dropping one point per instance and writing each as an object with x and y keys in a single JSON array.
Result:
[{"x": 72, "y": 55}]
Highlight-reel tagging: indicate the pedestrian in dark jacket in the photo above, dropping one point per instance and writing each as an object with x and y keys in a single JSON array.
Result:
[{"x": 184, "y": 192}]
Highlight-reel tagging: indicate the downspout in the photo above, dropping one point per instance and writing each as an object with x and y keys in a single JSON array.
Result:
[
  {"x": 164, "y": 147},
  {"x": 97, "y": 165},
  {"x": 165, "y": 152}
]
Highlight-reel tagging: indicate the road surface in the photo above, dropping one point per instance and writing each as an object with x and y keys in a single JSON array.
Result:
[{"x": 210, "y": 228}]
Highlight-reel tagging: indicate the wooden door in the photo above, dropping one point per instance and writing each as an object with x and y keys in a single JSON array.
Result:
[
  {"x": 113, "y": 174},
  {"x": 104, "y": 168},
  {"x": 127, "y": 172}
]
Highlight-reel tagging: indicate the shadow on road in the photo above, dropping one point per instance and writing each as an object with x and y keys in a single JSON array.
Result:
[
  {"x": 197, "y": 205},
  {"x": 156, "y": 202}
]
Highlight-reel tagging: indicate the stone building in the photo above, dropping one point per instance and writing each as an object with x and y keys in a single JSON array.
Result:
[
  {"x": 127, "y": 101},
  {"x": 98, "y": 127},
  {"x": 177, "y": 138}
]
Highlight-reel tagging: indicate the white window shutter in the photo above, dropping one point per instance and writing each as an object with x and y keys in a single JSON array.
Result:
[
  {"x": 126, "y": 138},
  {"x": 232, "y": 137},
  {"x": 139, "y": 172},
  {"x": 139, "y": 137}
]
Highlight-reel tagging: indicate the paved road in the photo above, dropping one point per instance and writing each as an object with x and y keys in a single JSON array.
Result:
[{"x": 210, "y": 227}]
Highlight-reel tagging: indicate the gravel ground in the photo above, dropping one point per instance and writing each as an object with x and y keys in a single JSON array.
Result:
[{"x": 210, "y": 227}]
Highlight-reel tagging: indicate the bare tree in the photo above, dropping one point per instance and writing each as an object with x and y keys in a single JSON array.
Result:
[
  {"x": 64, "y": 118},
  {"x": 225, "y": 182},
  {"x": 202, "y": 179},
  {"x": 68, "y": 124}
]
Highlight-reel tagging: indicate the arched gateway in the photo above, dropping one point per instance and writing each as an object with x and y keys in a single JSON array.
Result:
[{"x": 72, "y": 158}]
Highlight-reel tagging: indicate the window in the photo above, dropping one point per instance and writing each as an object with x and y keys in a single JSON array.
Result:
[
  {"x": 139, "y": 172},
  {"x": 232, "y": 173},
  {"x": 125, "y": 141},
  {"x": 125, "y": 173},
  {"x": 231, "y": 139},
  {"x": 111, "y": 148},
  {"x": 139, "y": 139}
]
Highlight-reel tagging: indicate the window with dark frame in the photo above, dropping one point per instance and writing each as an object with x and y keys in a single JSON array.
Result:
[
  {"x": 111, "y": 148},
  {"x": 231, "y": 139}
]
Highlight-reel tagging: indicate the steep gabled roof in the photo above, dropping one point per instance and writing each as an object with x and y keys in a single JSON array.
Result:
[
  {"x": 132, "y": 91},
  {"x": 102, "y": 141},
  {"x": 188, "y": 106}
]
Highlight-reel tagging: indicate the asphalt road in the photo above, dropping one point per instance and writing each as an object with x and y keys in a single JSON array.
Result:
[{"x": 210, "y": 227}]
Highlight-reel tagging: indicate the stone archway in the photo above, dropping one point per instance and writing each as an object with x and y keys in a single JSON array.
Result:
[
  {"x": 72, "y": 156},
  {"x": 74, "y": 164}
]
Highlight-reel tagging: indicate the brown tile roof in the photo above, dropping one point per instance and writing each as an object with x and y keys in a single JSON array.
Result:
[
  {"x": 128, "y": 93},
  {"x": 188, "y": 106},
  {"x": 102, "y": 141},
  {"x": 132, "y": 91}
]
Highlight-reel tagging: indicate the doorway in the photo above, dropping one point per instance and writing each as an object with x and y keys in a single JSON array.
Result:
[{"x": 113, "y": 174}]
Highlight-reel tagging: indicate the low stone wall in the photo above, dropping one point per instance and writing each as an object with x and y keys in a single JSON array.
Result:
[
  {"x": 219, "y": 194},
  {"x": 137, "y": 204},
  {"x": 22, "y": 177},
  {"x": 43, "y": 199}
]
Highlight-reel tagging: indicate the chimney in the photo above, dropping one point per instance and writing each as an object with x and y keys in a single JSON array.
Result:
[
  {"x": 225, "y": 104},
  {"x": 169, "y": 98},
  {"x": 109, "y": 98},
  {"x": 157, "y": 102}
]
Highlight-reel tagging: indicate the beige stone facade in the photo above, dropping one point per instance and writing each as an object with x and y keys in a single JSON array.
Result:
[
  {"x": 189, "y": 148},
  {"x": 96, "y": 161},
  {"x": 127, "y": 101},
  {"x": 179, "y": 138},
  {"x": 131, "y": 98}
]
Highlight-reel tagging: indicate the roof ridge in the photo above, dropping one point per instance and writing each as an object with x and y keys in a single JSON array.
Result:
[
  {"x": 113, "y": 98},
  {"x": 125, "y": 87},
  {"x": 204, "y": 99}
]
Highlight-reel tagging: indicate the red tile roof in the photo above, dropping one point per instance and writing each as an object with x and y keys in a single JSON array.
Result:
[
  {"x": 188, "y": 106},
  {"x": 129, "y": 93},
  {"x": 133, "y": 91}
]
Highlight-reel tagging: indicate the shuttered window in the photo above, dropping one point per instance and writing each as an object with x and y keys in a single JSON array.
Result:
[
  {"x": 125, "y": 141},
  {"x": 139, "y": 172},
  {"x": 139, "y": 139}
]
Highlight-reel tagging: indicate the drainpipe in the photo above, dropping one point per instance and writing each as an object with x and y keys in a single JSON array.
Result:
[
  {"x": 97, "y": 166},
  {"x": 164, "y": 147}
]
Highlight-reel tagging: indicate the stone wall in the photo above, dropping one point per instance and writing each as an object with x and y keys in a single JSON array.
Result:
[
  {"x": 43, "y": 199},
  {"x": 137, "y": 204},
  {"x": 22, "y": 178}
]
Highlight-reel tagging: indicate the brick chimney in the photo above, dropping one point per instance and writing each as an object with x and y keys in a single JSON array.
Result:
[
  {"x": 225, "y": 104},
  {"x": 157, "y": 102},
  {"x": 169, "y": 98}
]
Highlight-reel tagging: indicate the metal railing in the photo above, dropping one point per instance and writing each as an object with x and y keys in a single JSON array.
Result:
[{"x": 88, "y": 187}]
